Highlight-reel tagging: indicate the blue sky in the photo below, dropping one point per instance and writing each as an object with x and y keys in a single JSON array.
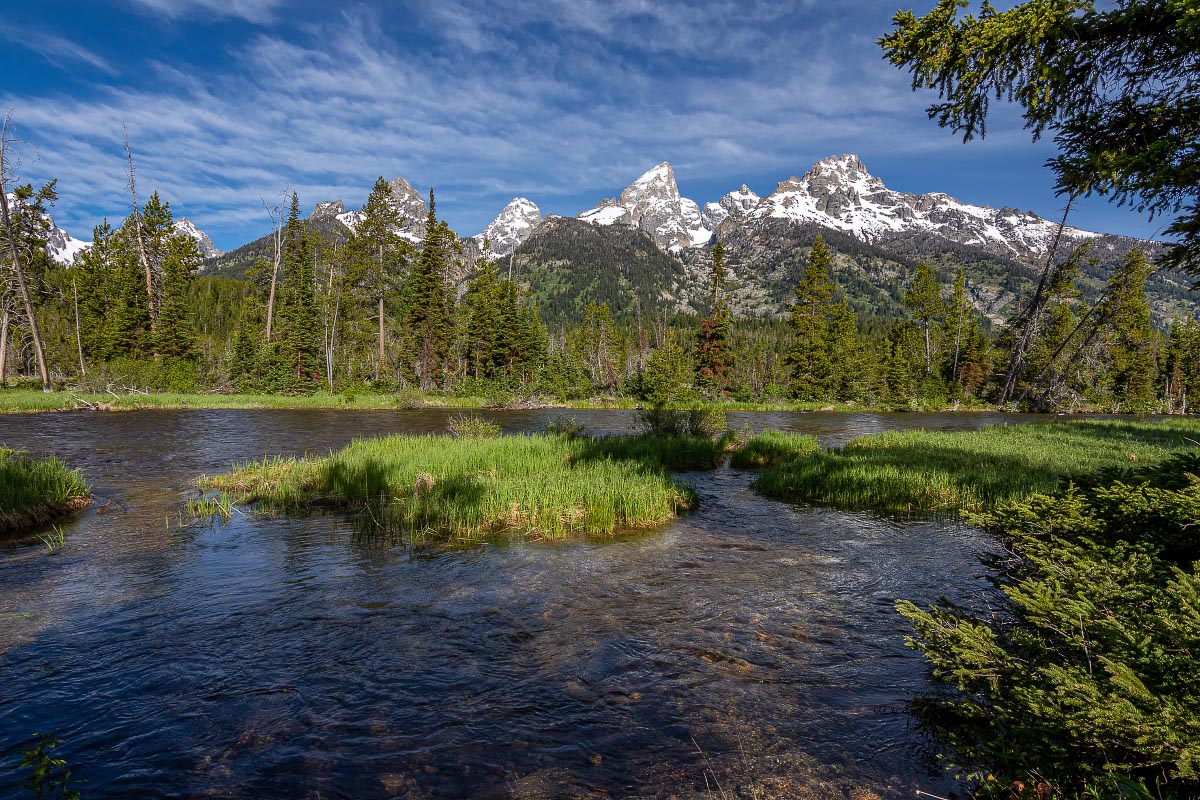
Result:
[{"x": 561, "y": 101}]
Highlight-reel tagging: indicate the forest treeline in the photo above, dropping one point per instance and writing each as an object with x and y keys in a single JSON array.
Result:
[{"x": 376, "y": 312}]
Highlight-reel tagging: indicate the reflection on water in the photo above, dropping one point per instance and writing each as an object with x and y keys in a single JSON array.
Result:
[{"x": 751, "y": 646}]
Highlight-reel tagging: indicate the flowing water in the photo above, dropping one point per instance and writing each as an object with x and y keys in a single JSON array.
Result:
[{"x": 748, "y": 649}]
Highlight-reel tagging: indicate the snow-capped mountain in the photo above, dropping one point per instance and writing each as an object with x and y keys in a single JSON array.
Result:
[
  {"x": 653, "y": 203},
  {"x": 839, "y": 193},
  {"x": 511, "y": 227},
  {"x": 207, "y": 248},
  {"x": 408, "y": 203},
  {"x": 63, "y": 247}
]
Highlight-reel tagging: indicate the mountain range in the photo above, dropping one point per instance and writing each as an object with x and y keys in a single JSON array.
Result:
[{"x": 654, "y": 246}]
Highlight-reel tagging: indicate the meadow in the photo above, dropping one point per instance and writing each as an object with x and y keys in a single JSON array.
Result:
[{"x": 970, "y": 470}]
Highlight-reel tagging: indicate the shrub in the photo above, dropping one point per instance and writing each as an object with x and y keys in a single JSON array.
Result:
[
  {"x": 703, "y": 421},
  {"x": 469, "y": 426},
  {"x": 1085, "y": 684}
]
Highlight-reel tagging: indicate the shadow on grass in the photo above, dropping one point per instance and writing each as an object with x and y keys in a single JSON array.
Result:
[
  {"x": 674, "y": 453},
  {"x": 921, "y": 471}
]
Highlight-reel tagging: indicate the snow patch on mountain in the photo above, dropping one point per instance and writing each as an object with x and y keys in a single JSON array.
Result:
[
  {"x": 407, "y": 201},
  {"x": 839, "y": 193},
  {"x": 511, "y": 227},
  {"x": 203, "y": 241},
  {"x": 653, "y": 203}
]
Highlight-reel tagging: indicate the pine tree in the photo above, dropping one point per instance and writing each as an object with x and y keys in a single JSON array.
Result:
[
  {"x": 714, "y": 356},
  {"x": 809, "y": 357},
  {"x": 1129, "y": 336},
  {"x": 430, "y": 322},
  {"x": 298, "y": 351},
  {"x": 924, "y": 301},
  {"x": 957, "y": 326},
  {"x": 377, "y": 255},
  {"x": 667, "y": 375},
  {"x": 847, "y": 376}
]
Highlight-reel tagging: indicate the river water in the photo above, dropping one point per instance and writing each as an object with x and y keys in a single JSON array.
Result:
[{"x": 749, "y": 649}]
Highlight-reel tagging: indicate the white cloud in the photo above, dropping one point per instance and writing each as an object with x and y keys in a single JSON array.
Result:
[
  {"x": 54, "y": 48},
  {"x": 256, "y": 11},
  {"x": 483, "y": 110}
]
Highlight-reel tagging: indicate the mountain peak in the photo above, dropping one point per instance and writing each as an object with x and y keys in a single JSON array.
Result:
[
  {"x": 652, "y": 203},
  {"x": 511, "y": 226}
]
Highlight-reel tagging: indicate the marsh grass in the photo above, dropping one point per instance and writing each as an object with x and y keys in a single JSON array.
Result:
[
  {"x": 216, "y": 507},
  {"x": 677, "y": 452},
  {"x": 54, "y": 539},
  {"x": 772, "y": 447},
  {"x": 35, "y": 490},
  {"x": 969, "y": 470},
  {"x": 472, "y": 426},
  {"x": 445, "y": 489}
]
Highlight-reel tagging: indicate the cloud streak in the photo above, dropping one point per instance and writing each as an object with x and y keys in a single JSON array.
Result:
[{"x": 563, "y": 102}]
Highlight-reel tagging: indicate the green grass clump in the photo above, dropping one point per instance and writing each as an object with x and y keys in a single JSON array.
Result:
[
  {"x": 441, "y": 488},
  {"x": 470, "y": 426},
  {"x": 677, "y": 453},
  {"x": 969, "y": 470},
  {"x": 772, "y": 447},
  {"x": 34, "y": 490}
]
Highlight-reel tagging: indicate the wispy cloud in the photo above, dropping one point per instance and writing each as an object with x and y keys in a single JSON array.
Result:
[
  {"x": 55, "y": 49},
  {"x": 257, "y": 11},
  {"x": 559, "y": 100}
]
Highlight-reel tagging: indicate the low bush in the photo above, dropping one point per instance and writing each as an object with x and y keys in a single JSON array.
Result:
[{"x": 1084, "y": 685}]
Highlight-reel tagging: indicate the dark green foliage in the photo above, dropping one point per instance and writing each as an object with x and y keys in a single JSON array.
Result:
[
  {"x": 1181, "y": 366},
  {"x": 1116, "y": 88},
  {"x": 676, "y": 451},
  {"x": 1086, "y": 681},
  {"x": 924, "y": 301},
  {"x": 430, "y": 303},
  {"x": 667, "y": 375},
  {"x": 296, "y": 343},
  {"x": 375, "y": 260},
  {"x": 569, "y": 264},
  {"x": 1129, "y": 337},
  {"x": 714, "y": 357},
  {"x": 810, "y": 358},
  {"x": 698, "y": 422}
]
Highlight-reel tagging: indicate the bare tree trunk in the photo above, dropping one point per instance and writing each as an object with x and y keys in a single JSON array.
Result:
[
  {"x": 78, "y": 334},
  {"x": 1030, "y": 317},
  {"x": 18, "y": 271},
  {"x": 141, "y": 244},
  {"x": 277, "y": 223},
  {"x": 382, "y": 351},
  {"x": 3, "y": 346}
]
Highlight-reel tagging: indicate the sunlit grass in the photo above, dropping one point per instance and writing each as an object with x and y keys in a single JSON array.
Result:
[
  {"x": 969, "y": 470},
  {"x": 441, "y": 488},
  {"x": 772, "y": 447},
  {"x": 36, "y": 490}
]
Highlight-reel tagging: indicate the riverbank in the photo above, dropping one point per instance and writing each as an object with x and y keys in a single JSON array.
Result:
[
  {"x": 448, "y": 489},
  {"x": 32, "y": 400},
  {"x": 970, "y": 470},
  {"x": 34, "y": 491}
]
